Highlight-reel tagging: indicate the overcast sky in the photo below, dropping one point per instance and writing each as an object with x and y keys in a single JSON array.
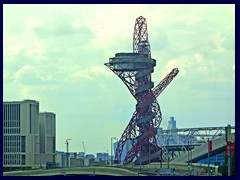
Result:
[{"x": 55, "y": 54}]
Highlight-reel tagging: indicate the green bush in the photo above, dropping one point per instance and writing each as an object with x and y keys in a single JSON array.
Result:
[{"x": 224, "y": 168}]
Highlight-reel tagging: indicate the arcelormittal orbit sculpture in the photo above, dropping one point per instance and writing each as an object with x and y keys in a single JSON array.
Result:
[{"x": 135, "y": 69}]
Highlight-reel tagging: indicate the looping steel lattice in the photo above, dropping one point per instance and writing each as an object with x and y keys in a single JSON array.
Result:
[{"x": 135, "y": 69}]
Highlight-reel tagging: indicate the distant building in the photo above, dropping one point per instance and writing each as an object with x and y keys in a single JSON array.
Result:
[
  {"x": 60, "y": 158},
  {"x": 172, "y": 124},
  {"x": 77, "y": 162},
  {"x": 102, "y": 157},
  {"x": 47, "y": 136},
  {"x": 22, "y": 145},
  {"x": 72, "y": 155},
  {"x": 89, "y": 159},
  {"x": 126, "y": 148},
  {"x": 74, "y": 159},
  {"x": 90, "y": 156},
  {"x": 175, "y": 138},
  {"x": 81, "y": 154}
]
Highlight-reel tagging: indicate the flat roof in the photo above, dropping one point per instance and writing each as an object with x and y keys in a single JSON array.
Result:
[{"x": 25, "y": 100}]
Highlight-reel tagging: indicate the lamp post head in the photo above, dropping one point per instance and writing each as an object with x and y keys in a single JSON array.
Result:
[{"x": 68, "y": 140}]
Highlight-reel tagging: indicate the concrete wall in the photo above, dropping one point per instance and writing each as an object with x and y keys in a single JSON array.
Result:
[
  {"x": 182, "y": 166},
  {"x": 30, "y": 129},
  {"x": 76, "y": 162},
  {"x": 47, "y": 137}
]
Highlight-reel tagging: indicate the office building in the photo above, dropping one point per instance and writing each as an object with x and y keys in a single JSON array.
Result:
[
  {"x": 172, "y": 124},
  {"x": 47, "y": 137},
  {"x": 102, "y": 157},
  {"x": 81, "y": 154},
  {"x": 60, "y": 158},
  {"x": 20, "y": 134},
  {"x": 22, "y": 145},
  {"x": 89, "y": 159}
]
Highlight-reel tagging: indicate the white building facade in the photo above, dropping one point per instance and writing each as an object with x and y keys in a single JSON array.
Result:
[
  {"x": 47, "y": 126},
  {"x": 20, "y": 133},
  {"x": 21, "y": 130}
]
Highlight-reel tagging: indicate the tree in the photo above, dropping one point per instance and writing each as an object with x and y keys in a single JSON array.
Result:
[{"x": 224, "y": 168}]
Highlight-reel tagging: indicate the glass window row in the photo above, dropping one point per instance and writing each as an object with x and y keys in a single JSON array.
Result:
[
  {"x": 12, "y": 159},
  {"x": 13, "y": 123},
  {"x": 9, "y": 138},
  {"x": 11, "y": 111},
  {"x": 11, "y": 130},
  {"x": 11, "y": 149},
  {"x": 11, "y": 143}
]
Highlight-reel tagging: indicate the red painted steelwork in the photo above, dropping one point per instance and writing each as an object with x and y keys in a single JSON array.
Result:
[{"x": 136, "y": 75}]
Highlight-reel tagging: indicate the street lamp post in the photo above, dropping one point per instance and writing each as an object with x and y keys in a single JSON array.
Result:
[
  {"x": 188, "y": 156},
  {"x": 67, "y": 157},
  {"x": 191, "y": 146},
  {"x": 168, "y": 153},
  {"x": 208, "y": 159},
  {"x": 111, "y": 150},
  {"x": 160, "y": 158}
]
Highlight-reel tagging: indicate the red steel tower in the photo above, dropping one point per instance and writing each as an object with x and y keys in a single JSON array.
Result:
[{"x": 135, "y": 69}]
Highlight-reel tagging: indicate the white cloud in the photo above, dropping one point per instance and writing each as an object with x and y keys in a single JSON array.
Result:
[
  {"x": 15, "y": 49},
  {"x": 91, "y": 73},
  {"x": 35, "y": 51},
  {"x": 24, "y": 70},
  {"x": 171, "y": 65}
]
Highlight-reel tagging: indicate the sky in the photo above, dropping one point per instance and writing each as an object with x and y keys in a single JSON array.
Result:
[{"x": 55, "y": 54}]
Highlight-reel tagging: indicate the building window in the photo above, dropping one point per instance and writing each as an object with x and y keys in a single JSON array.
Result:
[
  {"x": 10, "y": 112},
  {"x": 14, "y": 112},
  {"x": 19, "y": 113},
  {"x": 23, "y": 146},
  {"x": 4, "y": 113},
  {"x": 23, "y": 159},
  {"x": 7, "y": 113}
]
